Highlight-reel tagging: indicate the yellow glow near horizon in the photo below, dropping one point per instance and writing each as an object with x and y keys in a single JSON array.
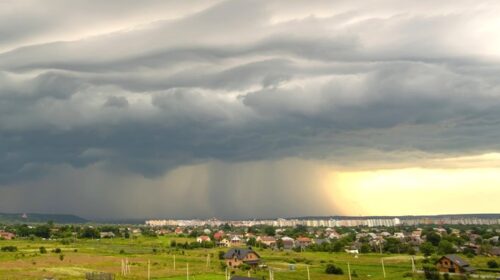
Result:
[{"x": 416, "y": 191}]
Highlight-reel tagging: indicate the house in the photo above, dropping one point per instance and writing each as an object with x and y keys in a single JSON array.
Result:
[
  {"x": 303, "y": 242},
  {"x": 236, "y": 241},
  {"x": 219, "y": 235},
  {"x": 7, "y": 235},
  {"x": 319, "y": 241},
  {"x": 453, "y": 264},
  {"x": 236, "y": 257},
  {"x": 416, "y": 233},
  {"x": 178, "y": 231},
  {"x": 224, "y": 243},
  {"x": 267, "y": 240},
  {"x": 162, "y": 232},
  {"x": 399, "y": 235},
  {"x": 495, "y": 251},
  {"x": 203, "y": 238},
  {"x": 107, "y": 234},
  {"x": 288, "y": 243},
  {"x": 334, "y": 235}
]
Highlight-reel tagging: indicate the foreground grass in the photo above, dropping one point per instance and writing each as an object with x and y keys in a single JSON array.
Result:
[{"x": 105, "y": 255}]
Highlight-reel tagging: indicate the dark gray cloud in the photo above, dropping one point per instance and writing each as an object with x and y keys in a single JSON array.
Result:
[{"x": 238, "y": 81}]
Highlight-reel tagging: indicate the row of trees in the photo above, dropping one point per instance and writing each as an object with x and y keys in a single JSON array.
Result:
[{"x": 65, "y": 231}]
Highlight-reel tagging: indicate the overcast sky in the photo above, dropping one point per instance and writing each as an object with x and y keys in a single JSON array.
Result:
[{"x": 128, "y": 109}]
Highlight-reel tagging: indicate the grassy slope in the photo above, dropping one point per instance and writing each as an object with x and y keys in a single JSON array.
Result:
[{"x": 104, "y": 255}]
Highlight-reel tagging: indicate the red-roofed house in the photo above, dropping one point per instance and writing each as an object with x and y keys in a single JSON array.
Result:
[
  {"x": 219, "y": 235},
  {"x": 7, "y": 235},
  {"x": 202, "y": 238}
]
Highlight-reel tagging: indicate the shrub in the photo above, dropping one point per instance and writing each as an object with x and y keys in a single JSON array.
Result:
[
  {"x": 492, "y": 264},
  {"x": 431, "y": 273},
  {"x": 9, "y": 249},
  {"x": 57, "y": 250},
  {"x": 446, "y": 276},
  {"x": 221, "y": 255},
  {"x": 332, "y": 269},
  {"x": 61, "y": 257},
  {"x": 43, "y": 250},
  {"x": 407, "y": 275}
]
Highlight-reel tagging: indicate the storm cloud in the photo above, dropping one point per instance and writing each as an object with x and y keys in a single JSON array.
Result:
[{"x": 145, "y": 88}]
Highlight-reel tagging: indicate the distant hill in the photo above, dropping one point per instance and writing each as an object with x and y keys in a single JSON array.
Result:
[{"x": 40, "y": 218}]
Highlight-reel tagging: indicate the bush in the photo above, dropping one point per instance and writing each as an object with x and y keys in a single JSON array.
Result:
[
  {"x": 57, "y": 250},
  {"x": 492, "y": 264},
  {"x": 245, "y": 267},
  {"x": 332, "y": 269},
  {"x": 9, "y": 249},
  {"x": 446, "y": 276},
  {"x": 221, "y": 255},
  {"x": 407, "y": 275},
  {"x": 61, "y": 257},
  {"x": 431, "y": 273},
  {"x": 43, "y": 250}
]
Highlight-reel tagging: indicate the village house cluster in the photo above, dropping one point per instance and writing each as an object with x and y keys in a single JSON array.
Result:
[{"x": 359, "y": 240}]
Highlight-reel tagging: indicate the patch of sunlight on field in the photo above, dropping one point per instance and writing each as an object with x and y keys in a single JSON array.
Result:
[{"x": 69, "y": 270}]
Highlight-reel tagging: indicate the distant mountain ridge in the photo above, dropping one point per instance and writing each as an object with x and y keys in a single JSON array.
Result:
[{"x": 41, "y": 218}]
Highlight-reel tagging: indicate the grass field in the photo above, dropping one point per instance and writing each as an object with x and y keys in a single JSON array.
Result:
[{"x": 106, "y": 255}]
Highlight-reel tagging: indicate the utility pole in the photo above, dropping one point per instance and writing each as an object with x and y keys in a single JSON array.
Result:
[
  {"x": 308, "y": 274},
  {"x": 174, "y": 263},
  {"x": 187, "y": 271},
  {"x": 383, "y": 267},
  {"x": 149, "y": 269},
  {"x": 349, "y": 270},
  {"x": 271, "y": 274}
]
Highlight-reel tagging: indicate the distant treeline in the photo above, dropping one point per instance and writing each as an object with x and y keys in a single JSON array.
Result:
[{"x": 10, "y": 218}]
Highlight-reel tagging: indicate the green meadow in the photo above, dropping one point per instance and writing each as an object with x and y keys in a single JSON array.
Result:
[{"x": 80, "y": 256}]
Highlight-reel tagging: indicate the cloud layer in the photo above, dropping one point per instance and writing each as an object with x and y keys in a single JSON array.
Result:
[{"x": 145, "y": 88}]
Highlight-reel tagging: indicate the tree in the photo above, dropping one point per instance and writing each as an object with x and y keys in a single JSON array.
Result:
[
  {"x": 252, "y": 241},
  {"x": 280, "y": 244},
  {"x": 365, "y": 248},
  {"x": 433, "y": 238},
  {"x": 89, "y": 232},
  {"x": 445, "y": 247},
  {"x": 271, "y": 231},
  {"x": 427, "y": 249},
  {"x": 42, "y": 231}
]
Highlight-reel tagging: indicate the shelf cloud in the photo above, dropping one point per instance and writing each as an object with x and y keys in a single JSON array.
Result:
[{"x": 145, "y": 88}]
